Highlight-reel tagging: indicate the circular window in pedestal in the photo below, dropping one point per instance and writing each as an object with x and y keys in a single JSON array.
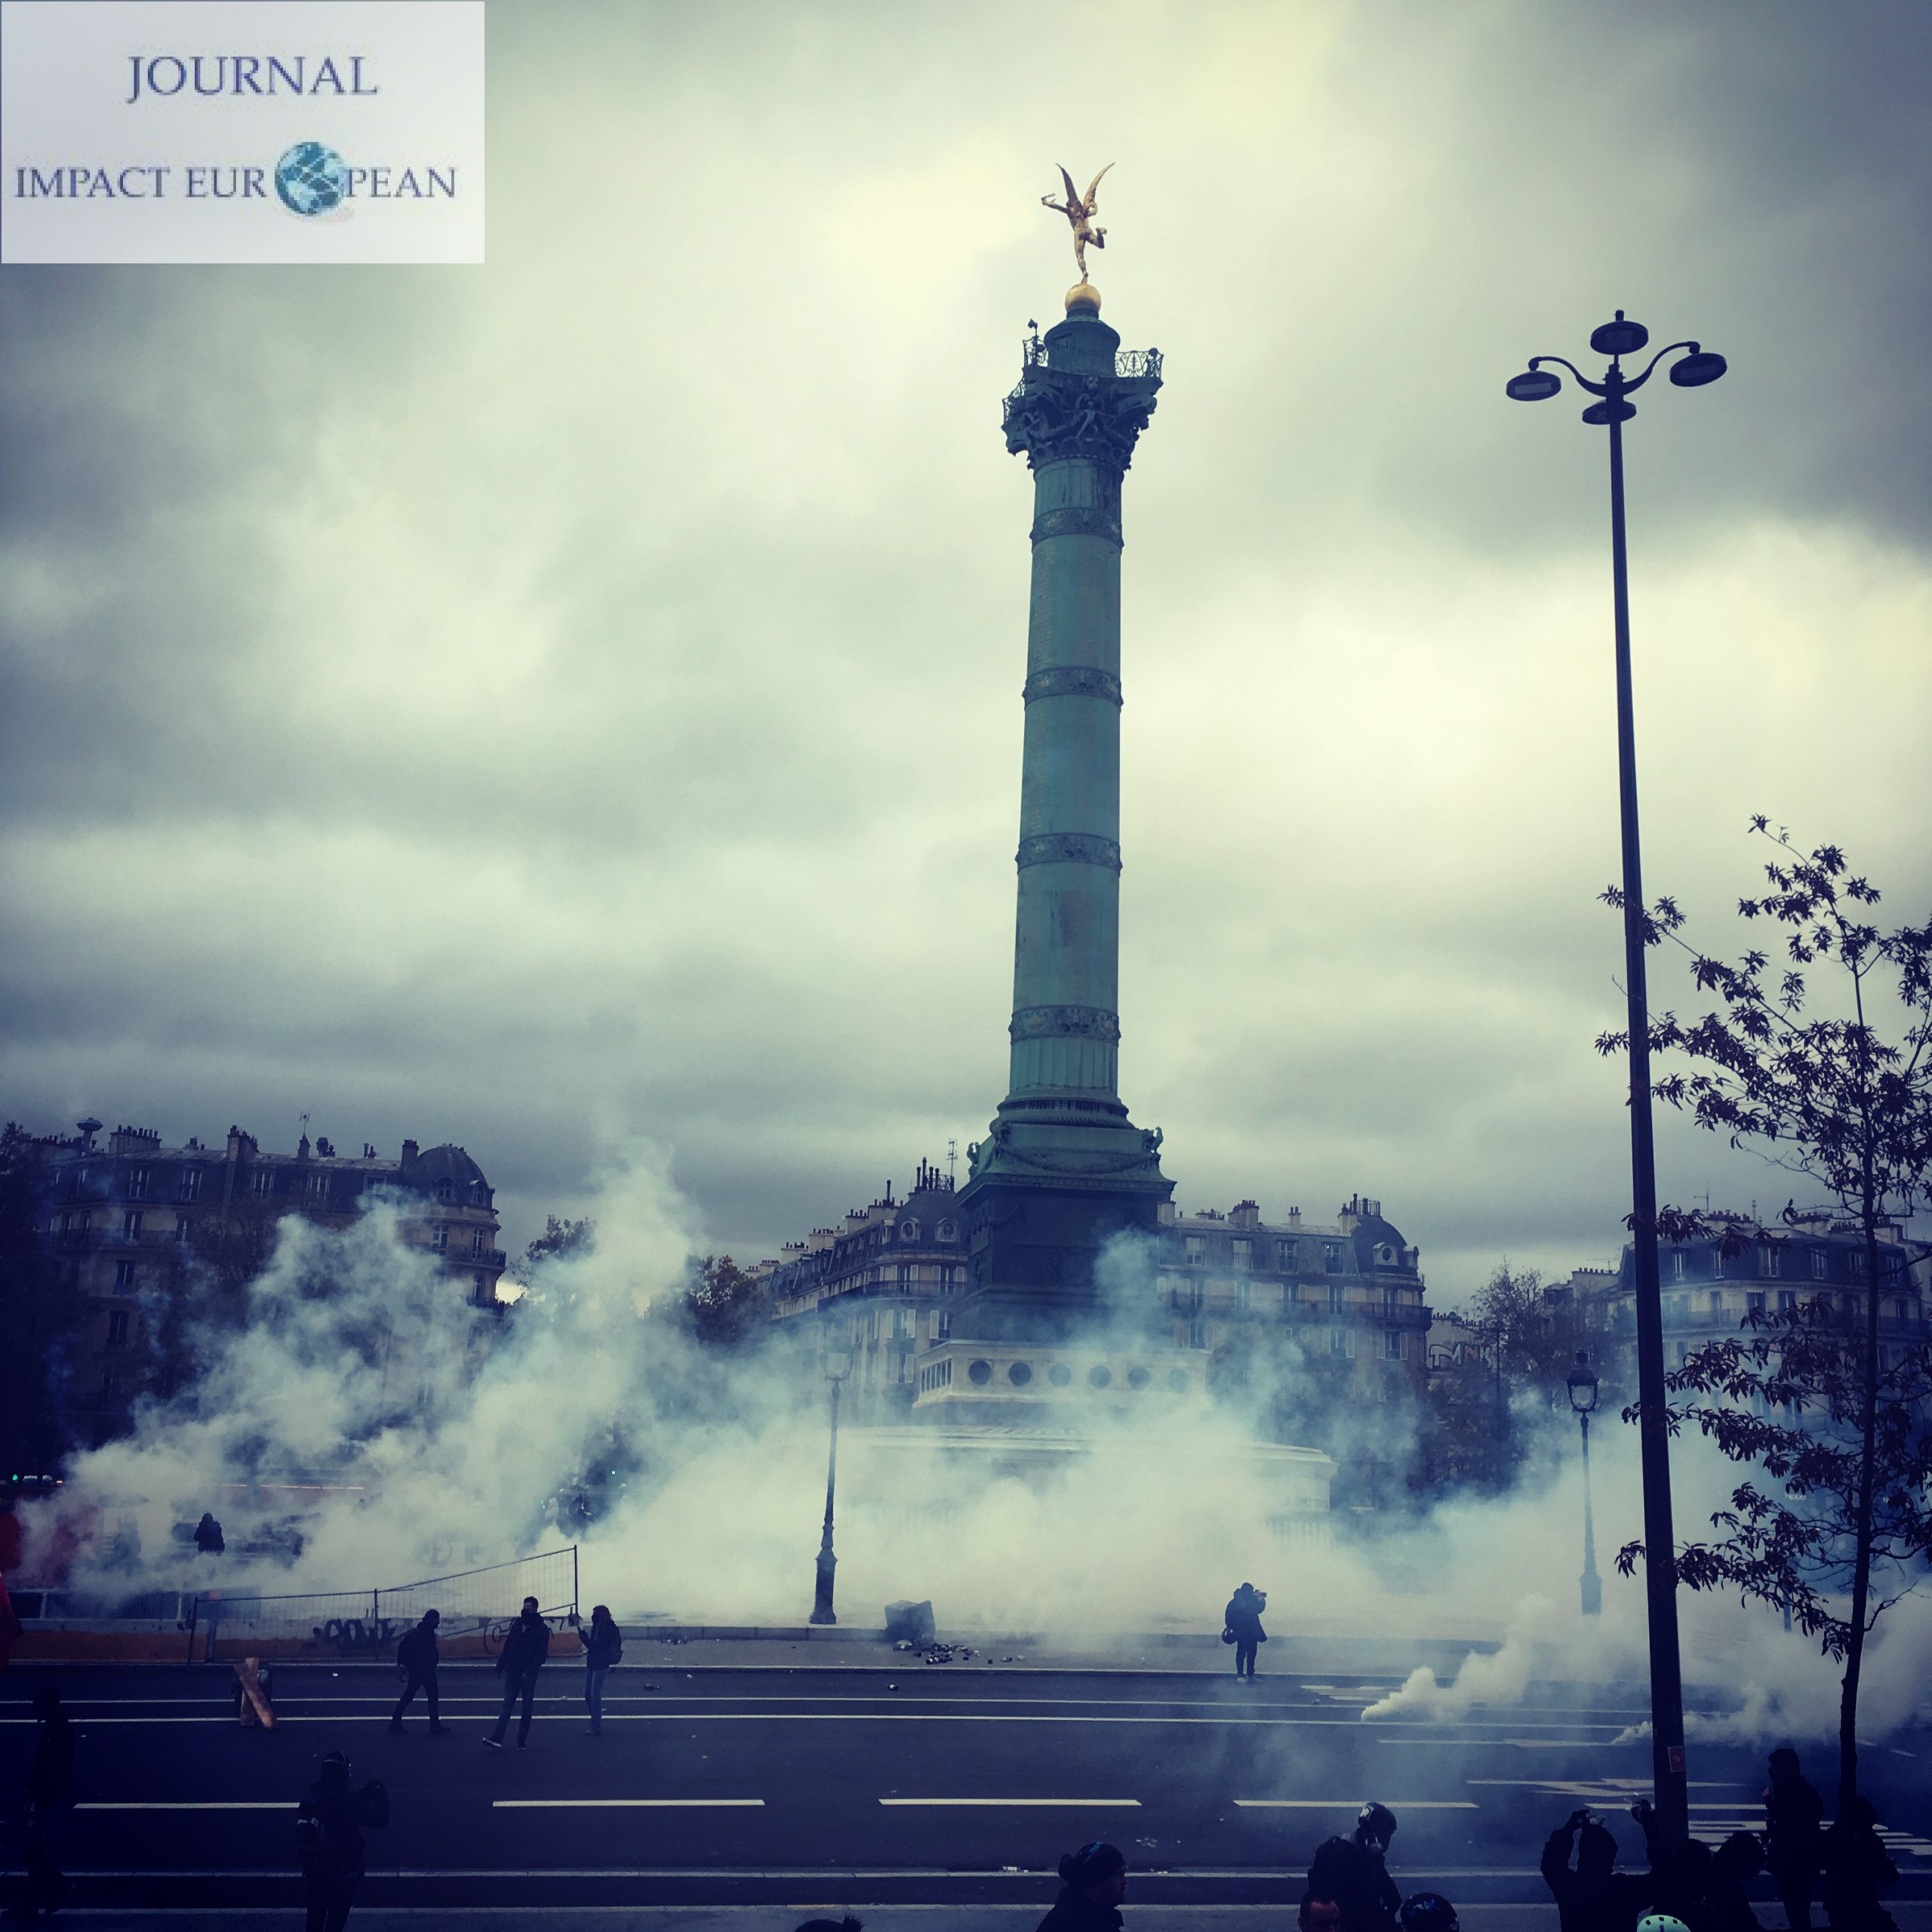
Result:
[
  {"x": 981, "y": 1372},
  {"x": 1177, "y": 1381},
  {"x": 1020, "y": 1374},
  {"x": 1137, "y": 1378},
  {"x": 1100, "y": 1376},
  {"x": 1059, "y": 1375}
]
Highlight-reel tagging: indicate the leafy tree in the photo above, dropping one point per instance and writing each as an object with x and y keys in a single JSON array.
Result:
[
  {"x": 1834, "y": 1082},
  {"x": 1791, "y": 1396},
  {"x": 1528, "y": 1342},
  {"x": 724, "y": 1305},
  {"x": 560, "y": 1239}
]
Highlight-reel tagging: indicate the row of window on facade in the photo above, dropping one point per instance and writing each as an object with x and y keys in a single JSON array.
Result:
[
  {"x": 1289, "y": 1256},
  {"x": 1770, "y": 1262},
  {"x": 1342, "y": 1343},
  {"x": 134, "y": 1227},
  {"x": 1020, "y": 1375},
  {"x": 1682, "y": 1308},
  {"x": 318, "y": 1185},
  {"x": 1184, "y": 1295}
]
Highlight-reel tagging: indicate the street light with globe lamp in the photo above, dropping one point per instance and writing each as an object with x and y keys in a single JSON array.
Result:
[
  {"x": 1583, "y": 1384},
  {"x": 837, "y": 1364},
  {"x": 1613, "y": 409}
]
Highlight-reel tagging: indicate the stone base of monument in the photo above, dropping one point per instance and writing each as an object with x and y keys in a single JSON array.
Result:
[{"x": 928, "y": 1473}]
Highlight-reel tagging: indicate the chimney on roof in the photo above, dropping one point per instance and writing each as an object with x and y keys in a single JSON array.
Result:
[
  {"x": 409, "y": 1151},
  {"x": 1245, "y": 1214}
]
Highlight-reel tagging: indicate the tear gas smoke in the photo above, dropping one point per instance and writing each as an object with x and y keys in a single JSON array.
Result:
[{"x": 358, "y": 1365}]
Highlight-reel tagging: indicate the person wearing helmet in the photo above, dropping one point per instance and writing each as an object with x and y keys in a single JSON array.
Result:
[
  {"x": 1094, "y": 1882},
  {"x": 1661, "y": 1921},
  {"x": 1595, "y": 1896},
  {"x": 1354, "y": 1873},
  {"x": 1428, "y": 1911},
  {"x": 329, "y": 1824}
]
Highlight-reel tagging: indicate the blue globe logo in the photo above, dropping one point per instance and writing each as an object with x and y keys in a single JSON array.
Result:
[{"x": 311, "y": 179}]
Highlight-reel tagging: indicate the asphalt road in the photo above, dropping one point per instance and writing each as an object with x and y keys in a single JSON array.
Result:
[{"x": 922, "y": 1790}]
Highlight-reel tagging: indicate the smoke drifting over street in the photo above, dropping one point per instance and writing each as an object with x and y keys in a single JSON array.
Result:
[{"x": 713, "y": 1514}]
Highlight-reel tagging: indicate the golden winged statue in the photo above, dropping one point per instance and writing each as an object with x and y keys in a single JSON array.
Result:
[{"x": 1078, "y": 209}]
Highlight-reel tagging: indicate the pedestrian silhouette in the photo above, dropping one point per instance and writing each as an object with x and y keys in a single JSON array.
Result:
[
  {"x": 329, "y": 1824},
  {"x": 603, "y": 1646},
  {"x": 1241, "y": 1621},
  {"x": 1733, "y": 1864},
  {"x": 1793, "y": 1816},
  {"x": 417, "y": 1657},
  {"x": 1354, "y": 1873},
  {"x": 49, "y": 1794},
  {"x": 1094, "y": 1884},
  {"x": 1595, "y": 1896},
  {"x": 1856, "y": 1868},
  {"x": 207, "y": 1536},
  {"x": 524, "y": 1651}
]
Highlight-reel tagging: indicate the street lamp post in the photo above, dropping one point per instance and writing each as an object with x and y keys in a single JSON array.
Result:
[
  {"x": 1613, "y": 409},
  {"x": 838, "y": 1366},
  {"x": 1583, "y": 1399}
]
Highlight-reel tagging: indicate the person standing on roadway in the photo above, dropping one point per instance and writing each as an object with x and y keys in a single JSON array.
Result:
[
  {"x": 417, "y": 1656},
  {"x": 603, "y": 1645},
  {"x": 524, "y": 1651},
  {"x": 329, "y": 1823},
  {"x": 1095, "y": 1883},
  {"x": 1243, "y": 1616}
]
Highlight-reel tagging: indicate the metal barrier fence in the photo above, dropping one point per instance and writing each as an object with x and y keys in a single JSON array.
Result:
[{"x": 475, "y": 1606}]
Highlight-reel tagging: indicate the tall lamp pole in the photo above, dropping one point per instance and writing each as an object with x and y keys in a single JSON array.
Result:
[
  {"x": 838, "y": 1365},
  {"x": 1583, "y": 1399},
  {"x": 1613, "y": 409}
]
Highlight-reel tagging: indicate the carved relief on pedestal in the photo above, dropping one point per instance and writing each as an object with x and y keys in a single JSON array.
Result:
[
  {"x": 1065, "y": 1022},
  {"x": 1072, "y": 680},
  {"x": 1062, "y": 848}
]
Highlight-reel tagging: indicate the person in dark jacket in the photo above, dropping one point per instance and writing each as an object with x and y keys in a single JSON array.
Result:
[
  {"x": 329, "y": 1824},
  {"x": 1094, "y": 1882},
  {"x": 207, "y": 1536},
  {"x": 524, "y": 1651},
  {"x": 1727, "y": 1899},
  {"x": 1595, "y": 1897},
  {"x": 417, "y": 1656},
  {"x": 1857, "y": 1867},
  {"x": 1793, "y": 1819},
  {"x": 1354, "y": 1872},
  {"x": 603, "y": 1645},
  {"x": 49, "y": 1792},
  {"x": 1243, "y": 1616}
]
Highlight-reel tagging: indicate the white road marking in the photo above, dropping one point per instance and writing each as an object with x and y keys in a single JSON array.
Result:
[
  {"x": 1396, "y": 1804},
  {"x": 1084, "y": 1803},
  {"x": 609, "y": 1804},
  {"x": 198, "y": 1805}
]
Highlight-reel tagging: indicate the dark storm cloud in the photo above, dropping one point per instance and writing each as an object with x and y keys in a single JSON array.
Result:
[{"x": 577, "y": 698}]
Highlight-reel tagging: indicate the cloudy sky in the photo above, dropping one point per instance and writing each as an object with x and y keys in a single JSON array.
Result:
[{"x": 577, "y": 699}]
